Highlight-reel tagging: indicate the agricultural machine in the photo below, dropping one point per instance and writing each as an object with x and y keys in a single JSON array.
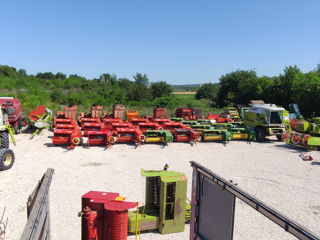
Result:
[
  {"x": 95, "y": 113},
  {"x": 265, "y": 120},
  {"x": 105, "y": 215},
  {"x": 208, "y": 135},
  {"x": 218, "y": 119},
  {"x": 158, "y": 136},
  {"x": 304, "y": 133},
  {"x": 185, "y": 135},
  {"x": 102, "y": 137},
  {"x": 68, "y": 113},
  {"x": 40, "y": 118},
  {"x": 149, "y": 126},
  {"x": 232, "y": 113},
  {"x": 188, "y": 113},
  {"x": 67, "y": 133},
  {"x": 129, "y": 135},
  {"x": 6, "y": 155},
  {"x": 242, "y": 133},
  {"x": 166, "y": 208},
  {"x": 13, "y": 107},
  {"x": 131, "y": 114}
]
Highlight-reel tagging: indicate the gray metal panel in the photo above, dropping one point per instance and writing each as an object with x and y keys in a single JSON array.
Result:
[
  {"x": 216, "y": 211},
  {"x": 283, "y": 221}
]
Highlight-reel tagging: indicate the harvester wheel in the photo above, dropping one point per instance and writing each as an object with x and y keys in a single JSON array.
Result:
[
  {"x": 142, "y": 138},
  {"x": 111, "y": 139},
  {"x": 6, "y": 159},
  {"x": 4, "y": 140},
  {"x": 260, "y": 134}
]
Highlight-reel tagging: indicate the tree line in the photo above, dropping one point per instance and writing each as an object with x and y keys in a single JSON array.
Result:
[
  {"x": 292, "y": 86},
  {"x": 52, "y": 89}
]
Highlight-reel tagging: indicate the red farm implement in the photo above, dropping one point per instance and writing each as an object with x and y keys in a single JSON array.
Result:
[
  {"x": 13, "y": 107},
  {"x": 185, "y": 135},
  {"x": 93, "y": 125},
  {"x": 158, "y": 113},
  {"x": 218, "y": 119},
  {"x": 129, "y": 135},
  {"x": 67, "y": 134},
  {"x": 68, "y": 113},
  {"x": 149, "y": 126},
  {"x": 96, "y": 113},
  {"x": 136, "y": 121},
  {"x": 171, "y": 126},
  {"x": 40, "y": 118},
  {"x": 161, "y": 121},
  {"x": 104, "y": 216},
  {"x": 115, "y": 126},
  {"x": 103, "y": 137}
]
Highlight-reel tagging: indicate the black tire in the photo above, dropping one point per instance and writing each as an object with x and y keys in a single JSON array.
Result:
[
  {"x": 279, "y": 137},
  {"x": 6, "y": 159},
  {"x": 260, "y": 134},
  {"x": 4, "y": 140}
]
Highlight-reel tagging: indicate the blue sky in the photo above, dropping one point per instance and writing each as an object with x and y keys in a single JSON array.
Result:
[{"x": 181, "y": 42}]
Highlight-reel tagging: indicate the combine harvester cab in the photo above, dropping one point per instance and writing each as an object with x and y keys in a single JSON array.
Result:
[
  {"x": 158, "y": 136},
  {"x": 166, "y": 209},
  {"x": 265, "y": 120}
]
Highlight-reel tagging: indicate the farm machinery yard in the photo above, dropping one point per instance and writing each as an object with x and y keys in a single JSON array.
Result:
[{"x": 165, "y": 206}]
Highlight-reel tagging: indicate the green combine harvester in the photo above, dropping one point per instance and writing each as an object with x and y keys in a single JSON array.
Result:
[
  {"x": 266, "y": 120},
  {"x": 166, "y": 208}
]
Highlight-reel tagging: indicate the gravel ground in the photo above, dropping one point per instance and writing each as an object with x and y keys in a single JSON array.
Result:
[{"x": 271, "y": 171}]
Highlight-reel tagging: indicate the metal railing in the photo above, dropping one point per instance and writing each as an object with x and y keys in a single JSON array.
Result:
[{"x": 272, "y": 214}]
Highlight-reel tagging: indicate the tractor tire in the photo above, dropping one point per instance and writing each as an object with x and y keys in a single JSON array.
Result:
[
  {"x": 4, "y": 140},
  {"x": 6, "y": 159},
  {"x": 260, "y": 134},
  {"x": 279, "y": 138}
]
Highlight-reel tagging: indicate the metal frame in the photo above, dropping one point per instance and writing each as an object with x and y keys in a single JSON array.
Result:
[
  {"x": 38, "y": 208},
  {"x": 278, "y": 218}
]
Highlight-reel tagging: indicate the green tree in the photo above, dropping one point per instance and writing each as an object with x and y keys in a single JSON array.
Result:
[
  {"x": 207, "y": 91},
  {"x": 160, "y": 89},
  {"x": 141, "y": 79}
]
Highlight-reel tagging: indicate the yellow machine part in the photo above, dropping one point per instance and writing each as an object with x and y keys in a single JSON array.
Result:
[
  {"x": 213, "y": 138},
  {"x": 154, "y": 139},
  {"x": 239, "y": 136}
]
